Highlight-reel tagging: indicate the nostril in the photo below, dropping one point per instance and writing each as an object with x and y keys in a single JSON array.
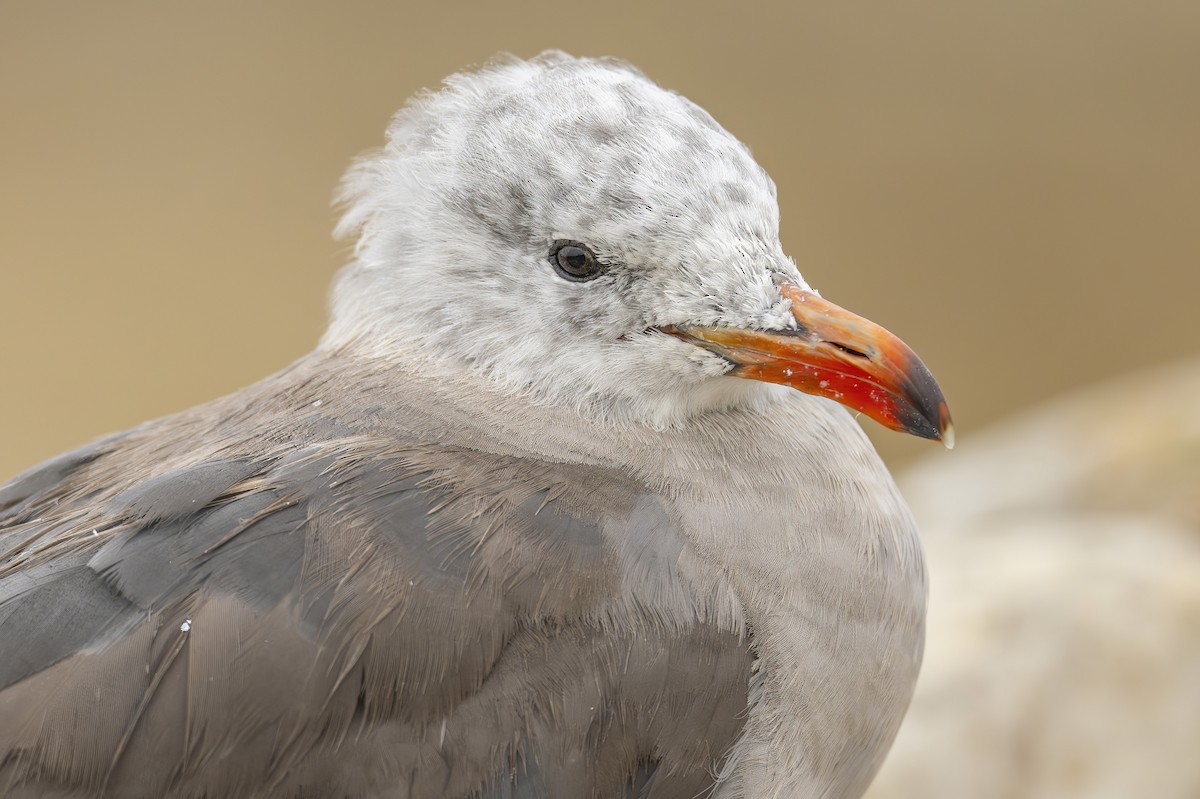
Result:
[{"x": 849, "y": 350}]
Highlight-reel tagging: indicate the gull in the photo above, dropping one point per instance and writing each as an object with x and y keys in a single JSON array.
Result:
[{"x": 566, "y": 503}]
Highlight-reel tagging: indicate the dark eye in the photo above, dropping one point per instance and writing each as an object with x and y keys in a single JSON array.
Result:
[{"x": 574, "y": 261}]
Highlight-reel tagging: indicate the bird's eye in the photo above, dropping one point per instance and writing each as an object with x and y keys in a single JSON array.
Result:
[{"x": 574, "y": 261}]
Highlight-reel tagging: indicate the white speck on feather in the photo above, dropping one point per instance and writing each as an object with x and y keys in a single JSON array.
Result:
[
  {"x": 95, "y": 531},
  {"x": 317, "y": 403},
  {"x": 187, "y": 625}
]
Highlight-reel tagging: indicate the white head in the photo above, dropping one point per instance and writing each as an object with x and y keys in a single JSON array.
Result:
[{"x": 493, "y": 190}]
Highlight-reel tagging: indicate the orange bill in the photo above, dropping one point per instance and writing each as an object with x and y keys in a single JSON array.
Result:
[{"x": 836, "y": 354}]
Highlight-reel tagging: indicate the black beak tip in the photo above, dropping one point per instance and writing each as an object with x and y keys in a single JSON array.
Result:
[{"x": 925, "y": 413}]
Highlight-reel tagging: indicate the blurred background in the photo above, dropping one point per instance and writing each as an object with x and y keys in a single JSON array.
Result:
[{"x": 1012, "y": 187}]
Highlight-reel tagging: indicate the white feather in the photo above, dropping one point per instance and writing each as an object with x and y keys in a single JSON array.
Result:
[{"x": 455, "y": 217}]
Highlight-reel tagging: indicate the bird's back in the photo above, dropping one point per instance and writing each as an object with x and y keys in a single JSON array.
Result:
[{"x": 278, "y": 595}]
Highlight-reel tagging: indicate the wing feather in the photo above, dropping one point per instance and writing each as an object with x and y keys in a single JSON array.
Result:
[{"x": 344, "y": 616}]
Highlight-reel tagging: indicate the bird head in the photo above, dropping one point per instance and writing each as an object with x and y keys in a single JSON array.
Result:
[{"x": 584, "y": 237}]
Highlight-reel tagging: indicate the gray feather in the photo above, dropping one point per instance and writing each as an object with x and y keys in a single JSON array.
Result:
[{"x": 341, "y": 617}]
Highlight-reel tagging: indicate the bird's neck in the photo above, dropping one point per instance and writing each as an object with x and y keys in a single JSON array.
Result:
[{"x": 809, "y": 529}]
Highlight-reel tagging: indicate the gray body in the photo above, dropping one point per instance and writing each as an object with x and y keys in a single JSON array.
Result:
[
  {"x": 503, "y": 535},
  {"x": 423, "y": 598}
]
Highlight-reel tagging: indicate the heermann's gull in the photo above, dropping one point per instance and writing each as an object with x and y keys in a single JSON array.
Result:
[{"x": 514, "y": 529}]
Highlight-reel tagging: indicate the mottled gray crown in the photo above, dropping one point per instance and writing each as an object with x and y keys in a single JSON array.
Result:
[{"x": 583, "y": 144}]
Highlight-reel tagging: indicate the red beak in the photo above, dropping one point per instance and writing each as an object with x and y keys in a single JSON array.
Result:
[{"x": 836, "y": 354}]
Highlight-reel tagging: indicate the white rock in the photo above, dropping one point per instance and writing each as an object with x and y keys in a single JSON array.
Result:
[{"x": 1063, "y": 659}]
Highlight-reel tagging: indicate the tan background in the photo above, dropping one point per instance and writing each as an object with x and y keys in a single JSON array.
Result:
[{"x": 1013, "y": 187}]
